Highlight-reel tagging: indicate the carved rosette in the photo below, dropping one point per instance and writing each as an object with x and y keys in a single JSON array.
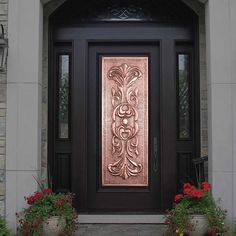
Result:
[{"x": 124, "y": 119}]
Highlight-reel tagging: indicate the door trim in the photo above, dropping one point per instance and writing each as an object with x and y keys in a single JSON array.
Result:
[{"x": 63, "y": 35}]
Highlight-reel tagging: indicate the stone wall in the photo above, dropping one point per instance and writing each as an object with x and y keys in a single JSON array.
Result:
[{"x": 3, "y": 79}]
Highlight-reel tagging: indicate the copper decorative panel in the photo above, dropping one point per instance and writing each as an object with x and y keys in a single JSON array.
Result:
[{"x": 125, "y": 121}]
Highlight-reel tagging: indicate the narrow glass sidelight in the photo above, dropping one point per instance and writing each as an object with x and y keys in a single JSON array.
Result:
[
  {"x": 125, "y": 121},
  {"x": 63, "y": 96},
  {"x": 183, "y": 87}
]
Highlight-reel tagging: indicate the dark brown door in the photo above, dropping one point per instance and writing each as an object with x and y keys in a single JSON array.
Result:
[
  {"x": 123, "y": 191},
  {"x": 160, "y": 135}
]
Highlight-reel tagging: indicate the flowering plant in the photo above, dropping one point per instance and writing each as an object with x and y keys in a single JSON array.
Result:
[
  {"x": 3, "y": 228},
  {"x": 42, "y": 206},
  {"x": 195, "y": 201},
  {"x": 234, "y": 230}
]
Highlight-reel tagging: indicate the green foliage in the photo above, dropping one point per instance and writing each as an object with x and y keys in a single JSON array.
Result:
[
  {"x": 45, "y": 205},
  {"x": 233, "y": 233},
  {"x": 3, "y": 228},
  {"x": 216, "y": 216},
  {"x": 179, "y": 217}
]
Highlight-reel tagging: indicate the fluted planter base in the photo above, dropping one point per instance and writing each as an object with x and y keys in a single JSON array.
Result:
[
  {"x": 53, "y": 226},
  {"x": 200, "y": 225}
]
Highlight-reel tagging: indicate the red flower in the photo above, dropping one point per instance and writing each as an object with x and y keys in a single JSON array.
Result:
[
  {"x": 178, "y": 197},
  {"x": 211, "y": 232},
  {"x": 47, "y": 190},
  {"x": 186, "y": 188},
  {"x": 187, "y": 185},
  {"x": 68, "y": 198},
  {"x": 187, "y": 191},
  {"x": 30, "y": 200},
  {"x": 38, "y": 195},
  {"x": 60, "y": 202},
  {"x": 197, "y": 193},
  {"x": 206, "y": 186},
  {"x": 35, "y": 225}
]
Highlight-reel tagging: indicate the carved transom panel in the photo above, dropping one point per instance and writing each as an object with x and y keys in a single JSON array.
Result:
[{"x": 125, "y": 121}]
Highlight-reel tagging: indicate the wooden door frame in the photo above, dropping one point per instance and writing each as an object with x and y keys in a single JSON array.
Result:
[{"x": 79, "y": 168}]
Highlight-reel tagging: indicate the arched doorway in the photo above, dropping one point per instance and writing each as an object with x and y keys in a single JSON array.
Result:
[{"x": 115, "y": 154}]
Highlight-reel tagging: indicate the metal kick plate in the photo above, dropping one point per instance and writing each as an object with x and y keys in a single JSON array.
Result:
[{"x": 124, "y": 121}]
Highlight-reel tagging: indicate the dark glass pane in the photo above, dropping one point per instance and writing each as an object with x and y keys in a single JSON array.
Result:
[
  {"x": 183, "y": 95},
  {"x": 63, "y": 101}
]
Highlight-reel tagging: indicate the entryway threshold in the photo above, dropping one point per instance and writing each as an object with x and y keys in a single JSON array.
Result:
[
  {"x": 121, "y": 229},
  {"x": 121, "y": 219}
]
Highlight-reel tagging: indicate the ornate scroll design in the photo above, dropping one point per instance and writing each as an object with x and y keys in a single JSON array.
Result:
[
  {"x": 125, "y": 121},
  {"x": 126, "y": 12}
]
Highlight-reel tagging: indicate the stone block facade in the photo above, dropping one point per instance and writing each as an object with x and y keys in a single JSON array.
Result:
[{"x": 3, "y": 90}]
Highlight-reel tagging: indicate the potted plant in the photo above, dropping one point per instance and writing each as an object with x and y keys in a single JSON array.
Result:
[
  {"x": 233, "y": 231},
  {"x": 3, "y": 228},
  {"x": 195, "y": 212},
  {"x": 49, "y": 213}
]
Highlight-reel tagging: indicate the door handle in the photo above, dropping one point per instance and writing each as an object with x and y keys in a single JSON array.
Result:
[{"x": 155, "y": 153}]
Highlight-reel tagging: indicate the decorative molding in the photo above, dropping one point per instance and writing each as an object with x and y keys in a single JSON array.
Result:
[
  {"x": 125, "y": 125},
  {"x": 124, "y": 12},
  {"x": 125, "y": 121}
]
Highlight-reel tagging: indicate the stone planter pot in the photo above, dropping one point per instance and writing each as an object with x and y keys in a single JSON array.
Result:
[
  {"x": 53, "y": 226},
  {"x": 200, "y": 225}
]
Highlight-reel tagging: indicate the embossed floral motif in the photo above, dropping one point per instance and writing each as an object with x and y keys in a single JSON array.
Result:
[{"x": 125, "y": 121}]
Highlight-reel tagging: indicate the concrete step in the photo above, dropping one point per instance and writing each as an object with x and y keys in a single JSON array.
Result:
[{"x": 120, "y": 230}]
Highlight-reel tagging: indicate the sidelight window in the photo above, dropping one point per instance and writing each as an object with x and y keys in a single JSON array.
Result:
[
  {"x": 183, "y": 92},
  {"x": 63, "y": 96},
  {"x": 187, "y": 122},
  {"x": 60, "y": 137}
]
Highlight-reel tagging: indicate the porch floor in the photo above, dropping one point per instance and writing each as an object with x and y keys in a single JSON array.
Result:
[{"x": 120, "y": 230}]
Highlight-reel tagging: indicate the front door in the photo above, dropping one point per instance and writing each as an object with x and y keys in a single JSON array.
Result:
[
  {"x": 123, "y": 130},
  {"x": 126, "y": 142}
]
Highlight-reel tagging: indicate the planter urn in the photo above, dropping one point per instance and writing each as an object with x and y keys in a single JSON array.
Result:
[
  {"x": 200, "y": 225},
  {"x": 53, "y": 226}
]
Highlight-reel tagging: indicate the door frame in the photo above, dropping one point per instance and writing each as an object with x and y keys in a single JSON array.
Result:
[
  {"x": 145, "y": 194},
  {"x": 64, "y": 34}
]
